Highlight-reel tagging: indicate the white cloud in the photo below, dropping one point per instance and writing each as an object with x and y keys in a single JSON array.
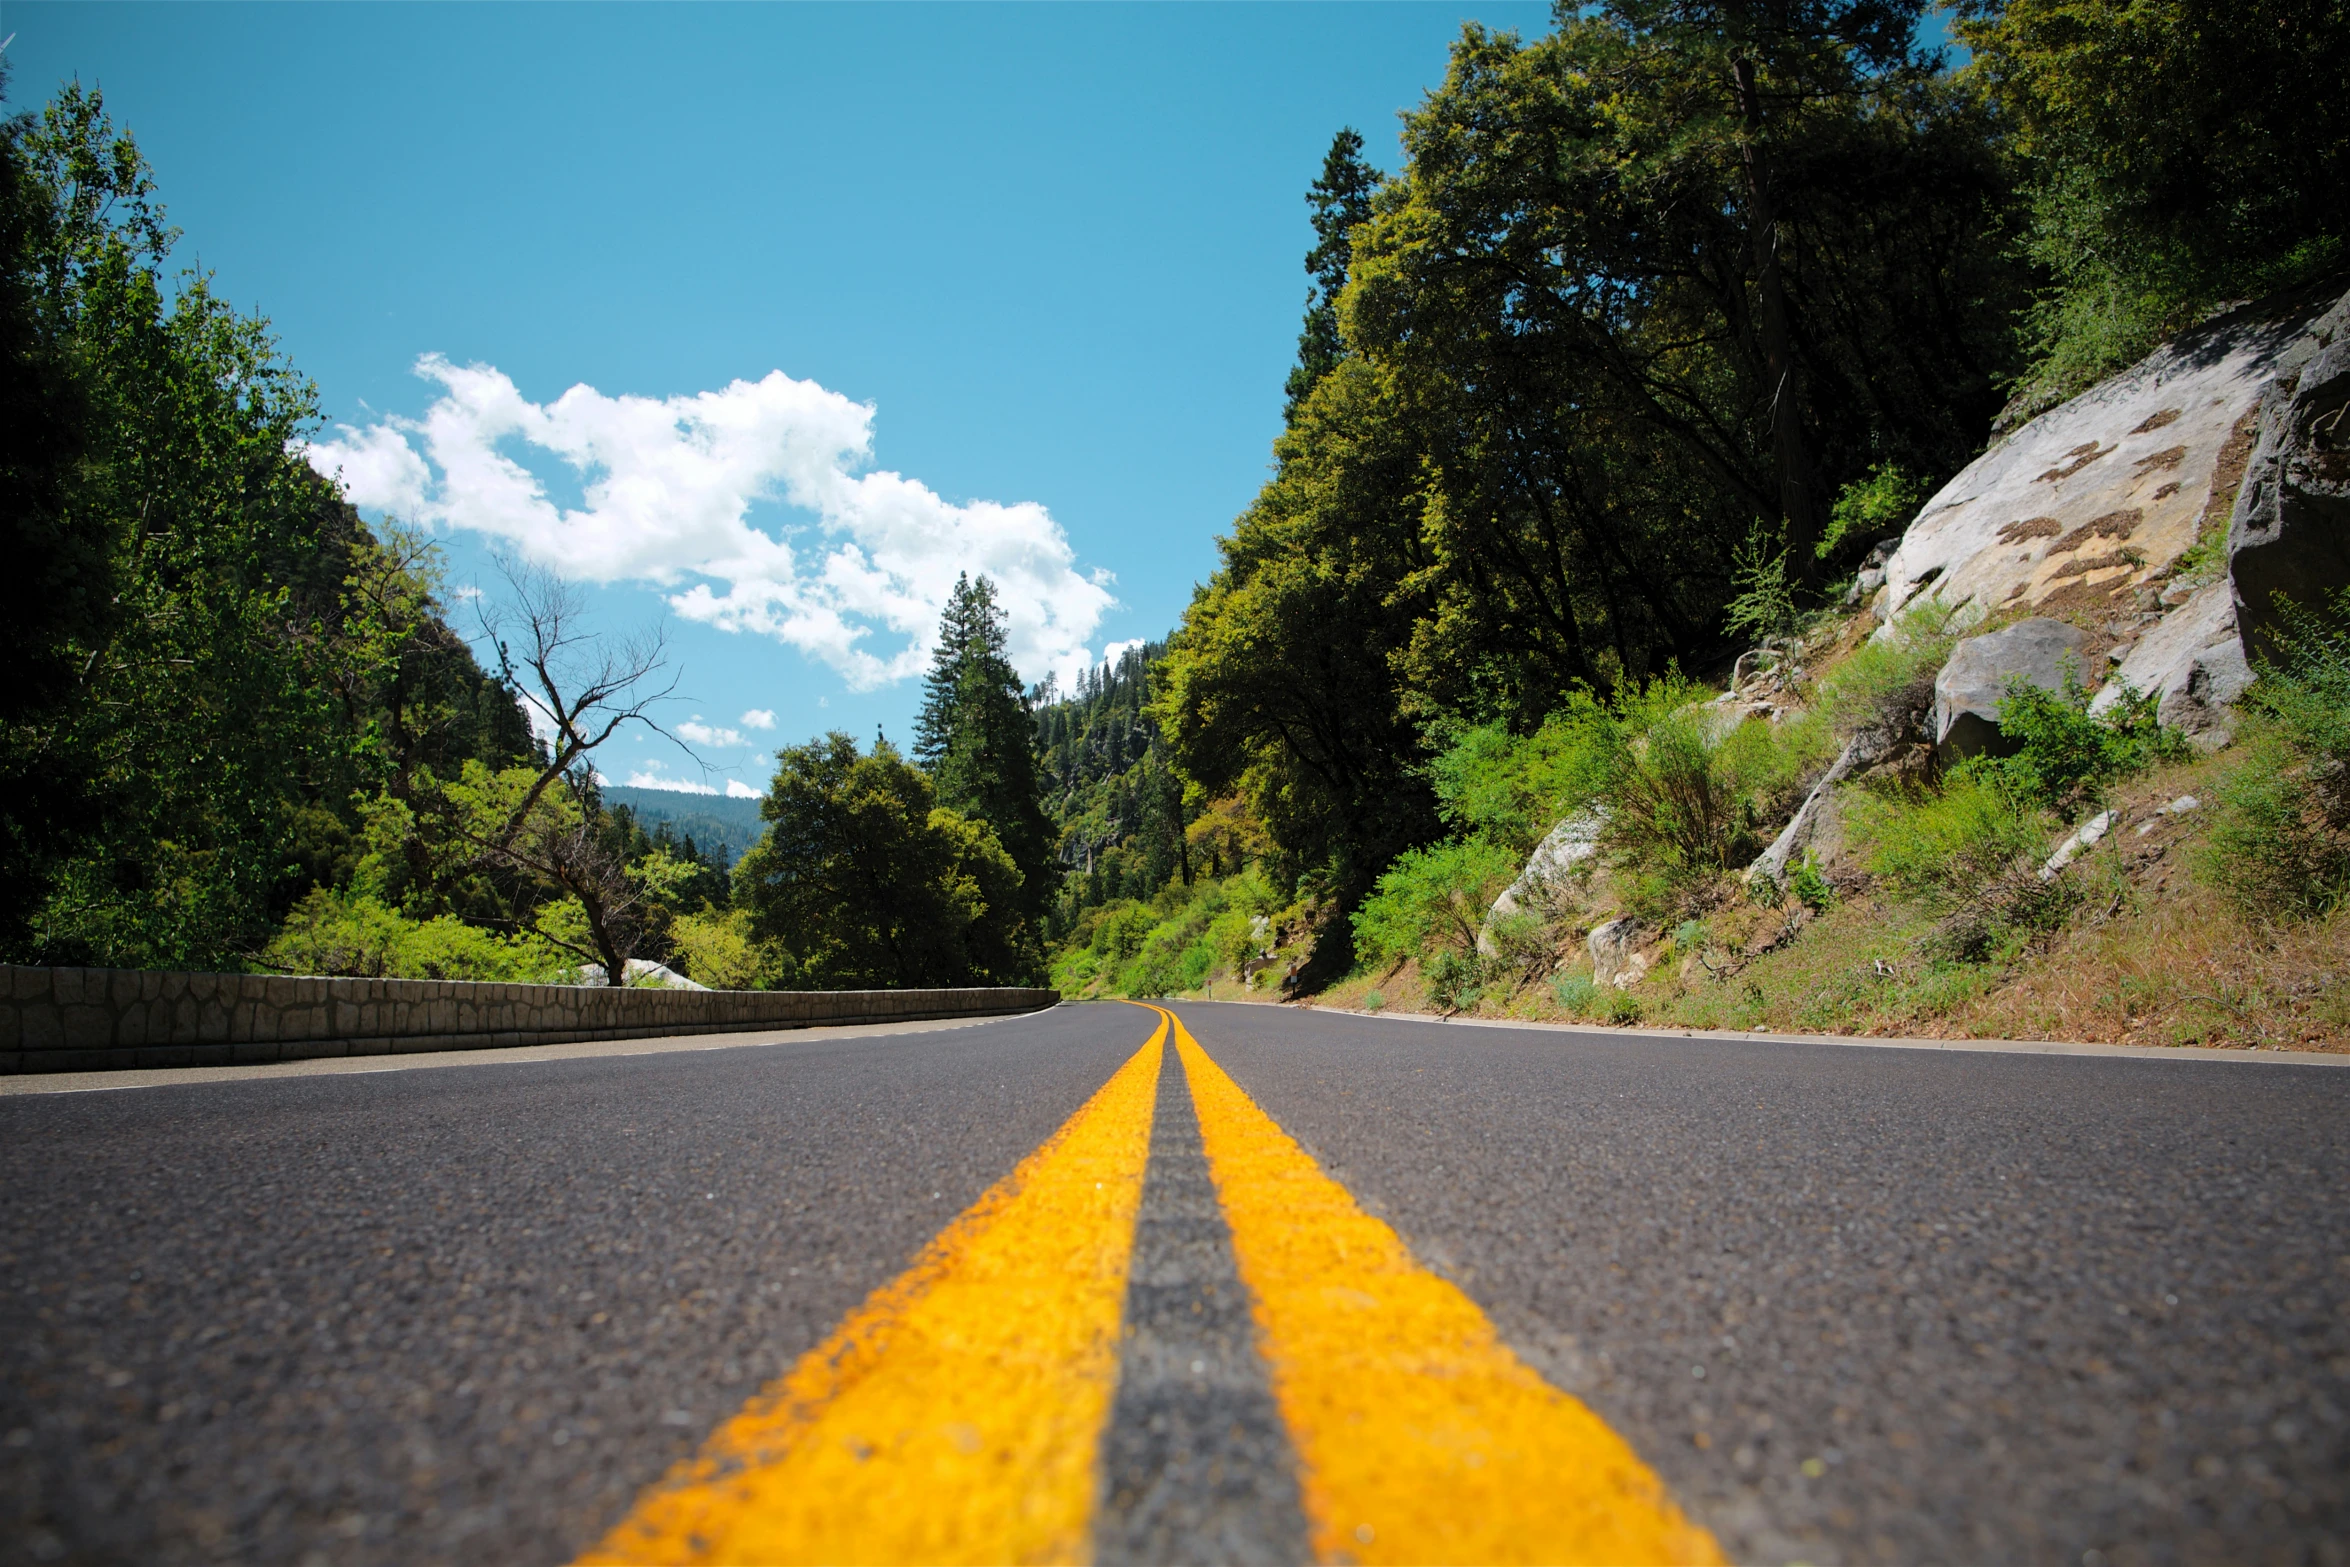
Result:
[
  {"x": 758, "y": 718},
  {"x": 668, "y": 488},
  {"x": 695, "y": 732},
  {"x": 652, "y": 780},
  {"x": 736, "y": 789},
  {"x": 1118, "y": 650}
]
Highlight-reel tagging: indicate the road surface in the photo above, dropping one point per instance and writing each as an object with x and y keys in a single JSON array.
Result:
[{"x": 1263, "y": 1286}]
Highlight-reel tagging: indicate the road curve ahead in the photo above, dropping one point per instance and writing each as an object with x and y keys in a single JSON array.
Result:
[{"x": 1219, "y": 1283}]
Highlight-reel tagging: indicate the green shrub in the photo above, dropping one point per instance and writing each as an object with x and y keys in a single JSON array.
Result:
[
  {"x": 1373, "y": 1001},
  {"x": 2279, "y": 843},
  {"x": 1969, "y": 851},
  {"x": 2068, "y": 758},
  {"x": 1577, "y": 993},
  {"x": 1888, "y": 684},
  {"x": 1453, "y": 978},
  {"x": 1811, "y": 889},
  {"x": 1686, "y": 797},
  {"x": 1521, "y": 942},
  {"x": 1432, "y": 898},
  {"x": 352, "y": 933},
  {"x": 2277, "y": 848},
  {"x": 1873, "y": 508},
  {"x": 1618, "y": 1006}
]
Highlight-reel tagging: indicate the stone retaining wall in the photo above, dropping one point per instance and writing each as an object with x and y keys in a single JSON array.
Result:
[{"x": 80, "y": 1020}]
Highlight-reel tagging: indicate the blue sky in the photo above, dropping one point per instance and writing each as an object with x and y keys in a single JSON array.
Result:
[{"x": 1041, "y": 262}]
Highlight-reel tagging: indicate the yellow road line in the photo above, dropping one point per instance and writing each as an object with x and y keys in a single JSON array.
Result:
[
  {"x": 955, "y": 1416},
  {"x": 1420, "y": 1436}
]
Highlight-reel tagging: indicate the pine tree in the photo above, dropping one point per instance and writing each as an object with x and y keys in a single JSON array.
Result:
[
  {"x": 976, "y": 736},
  {"x": 1341, "y": 199}
]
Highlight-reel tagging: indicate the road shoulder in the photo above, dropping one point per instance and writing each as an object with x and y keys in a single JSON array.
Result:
[{"x": 2034, "y": 1047}]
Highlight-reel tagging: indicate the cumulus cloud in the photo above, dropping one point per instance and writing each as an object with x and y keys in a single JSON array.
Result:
[
  {"x": 736, "y": 789},
  {"x": 695, "y": 732},
  {"x": 1118, "y": 650},
  {"x": 758, "y": 718},
  {"x": 856, "y": 579}
]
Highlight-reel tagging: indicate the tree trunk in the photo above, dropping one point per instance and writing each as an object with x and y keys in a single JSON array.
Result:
[{"x": 1798, "y": 504}]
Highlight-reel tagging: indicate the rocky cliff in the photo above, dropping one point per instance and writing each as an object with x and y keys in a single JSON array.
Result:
[{"x": 2150, "y": 523}]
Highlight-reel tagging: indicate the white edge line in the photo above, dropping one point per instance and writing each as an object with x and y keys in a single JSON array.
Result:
[{"x": 2052, "y": 1047}]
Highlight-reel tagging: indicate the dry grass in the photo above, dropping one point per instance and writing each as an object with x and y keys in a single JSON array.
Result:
[{"x": 2182, "y": 971}]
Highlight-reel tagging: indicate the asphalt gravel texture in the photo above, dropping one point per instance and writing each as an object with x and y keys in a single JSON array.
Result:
[
  {"x": 1853, "y": 1304},
  {"x": 1196, "y": 1465},
  {"x": 1880, "y": 1305},
  {"x": 463, "y": 1314}
]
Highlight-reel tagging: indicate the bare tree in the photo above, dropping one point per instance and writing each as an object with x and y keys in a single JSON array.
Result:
[{"x": 581, "y": 688}]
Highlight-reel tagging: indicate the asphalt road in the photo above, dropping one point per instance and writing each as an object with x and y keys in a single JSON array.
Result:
[{"x": 1850, "y": 1304}]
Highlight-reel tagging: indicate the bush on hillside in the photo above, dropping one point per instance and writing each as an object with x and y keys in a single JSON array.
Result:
[
  {"x": 717, "y": 948},
  {"x": 1887, "y": 683},
  {"x": 1942, "y": 847},
  {"x": 1689, "y": 795},
  {"x": 2271, "y": 850},
  {"x": 2067, "y": 757},
  {"x": 2279, "y": 846},
  {"x": 350, "y": 933},
  {"x": 1430, "y": 901},
  {"x": 1969, "y": 851}
]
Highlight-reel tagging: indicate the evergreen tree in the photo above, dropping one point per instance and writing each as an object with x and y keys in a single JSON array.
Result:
[
  {"x": 976, "y": 736},
  {"x": 1341, "y": 198}
]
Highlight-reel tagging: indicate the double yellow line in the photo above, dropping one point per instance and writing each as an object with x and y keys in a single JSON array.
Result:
[{"x": 955, "y": 1416}]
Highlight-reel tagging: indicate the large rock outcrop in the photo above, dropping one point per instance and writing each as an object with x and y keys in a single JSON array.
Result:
[
  {"x": 2096, "y": 496},
  {"x": 1567, "y": 847},
  {"x": 2290, "y": 532},
  {"x": 1968, "y": 691},
  {"x": 2192, "y": 660},
  {"x": 2087, "y": 515}
]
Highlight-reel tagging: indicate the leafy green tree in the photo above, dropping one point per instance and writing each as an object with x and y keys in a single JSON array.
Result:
[
  {"x": 57, "y": 593},
  {"x": 976, "y": 735},
  {"x": 1665, "y": 272},
  {"x": 2179, "y": 154},
  {"x": 200, "y": 709},
  {"x": 868, "y": 883},
  {"x": 1284, "y": 684},
  {"x": 1341, "y": 200}
]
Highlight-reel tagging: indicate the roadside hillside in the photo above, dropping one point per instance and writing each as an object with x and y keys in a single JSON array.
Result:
[{"x": 2073, "y": 763}]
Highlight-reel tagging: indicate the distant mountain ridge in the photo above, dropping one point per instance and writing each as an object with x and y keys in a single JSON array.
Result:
[{"x": 714, "y": 821}]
